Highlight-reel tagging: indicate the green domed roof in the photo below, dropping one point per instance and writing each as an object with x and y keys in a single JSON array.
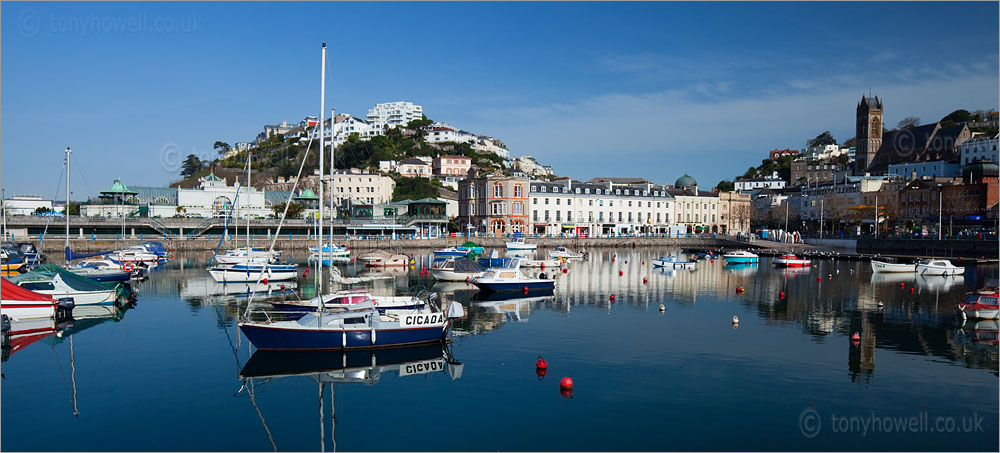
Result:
[
  {"x": 307, "y": 194},
  {"x": 118, "y": 188},
  {"x": 685, "y": 181}
]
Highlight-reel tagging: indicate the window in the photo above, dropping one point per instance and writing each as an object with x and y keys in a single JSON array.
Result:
[
  {"x": 558, "y": 200},
  {"x": 518, "y": 191},
  {"x": 630, "y": 203},
  {"x": 534, "y": 188},
  {"x": 546, "y": 215},
  {"x": 590, "y": 216},
  {"x": 600, "y": 202},
  {"x": 534, "y": 201},
  {"x": 497, "y": 190},
  {"x": 611, "y": 202},
  {"x": 586, "y": 190},
  {"x": 619, "y": 216},
  {"x": 518, "y": 208},
  {"x": 558, "y": 216},
  {"x": 626, "y": 191},
  {"x": 630, "y": 216},
  {"x": 534, "y": 215},
  {"x": 600, "y": 216},
  {"x": 546, "y": 201}
]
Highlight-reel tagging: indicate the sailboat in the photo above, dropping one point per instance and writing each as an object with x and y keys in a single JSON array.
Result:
[
  {"x": 247, "y": 264},
  {"x": 362, "y": 326}
]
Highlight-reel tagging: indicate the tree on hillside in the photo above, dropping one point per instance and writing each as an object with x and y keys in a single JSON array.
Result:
[
  {"x": 750, "y": 174},
  {"x": 908, "y": 122},
  {"x": 821, "y": 140},
  {"x": 222, "y": 147},
  {"x": 849, "y": 143},
  {"x": 958, "y": 116},
  {"x": 414, "y": 188},
  {"x": 191, "y": 165},
  {"x": 724, "y": 186},
  {"x": 419, "y": 125}
]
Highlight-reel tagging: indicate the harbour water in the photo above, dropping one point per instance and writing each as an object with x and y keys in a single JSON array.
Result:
[{"x": 174, "y": 373}]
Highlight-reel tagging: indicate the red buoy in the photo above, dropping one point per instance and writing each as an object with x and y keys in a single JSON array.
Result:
[
  {"x": 626, "y": 261},
  {"x": 620, "y": 273},
  {"x": 644, "y": 280},
  {"x": 713, "y": 261},
  {"x": 264, "y": 281},
  {"x": 901, "y": 284},
  {"x": 566, "y": 383},
  {"x": 566, "y": 393},
  {"x": 611, "y": 297},
  {"x": 525, "y": 289},
  {"x": 856, "y": 337},
  {"x": 540, "y": 372},
  {"x": 540, "y": 363},
  {"x": 911, "y": 290},
  {"x": 565, "y": 271},
  {"x": 819, "y": 278},
  {"x": 781, "y": 294}
]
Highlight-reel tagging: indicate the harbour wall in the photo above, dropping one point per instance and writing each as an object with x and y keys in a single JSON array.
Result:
[
  {"x": 56, "y": 245},
  {"x": 849, "y": 245}
]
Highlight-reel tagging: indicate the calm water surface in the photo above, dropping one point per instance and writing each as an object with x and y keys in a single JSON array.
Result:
[{"x": 173, "y": 373}]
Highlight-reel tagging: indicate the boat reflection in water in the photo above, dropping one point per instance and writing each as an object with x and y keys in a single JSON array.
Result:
[
  {"x": 347, "y": 367},
  {"x": 741, "y": 269},
  {"x": 515, "y": 306}
]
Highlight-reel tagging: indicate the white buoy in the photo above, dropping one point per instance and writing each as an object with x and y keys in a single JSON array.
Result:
[
  {"x": 736, "y": 319},
  {"x": 880, "y": 304},
  {"x": 662, "y": 308}
]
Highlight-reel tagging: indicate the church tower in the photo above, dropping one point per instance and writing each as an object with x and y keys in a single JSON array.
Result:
[{"x": 868, "y": 133}]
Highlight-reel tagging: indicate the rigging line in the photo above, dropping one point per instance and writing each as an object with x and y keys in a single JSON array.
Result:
[
  {"x": 281, "y": 223},
  {"x": 80, "y": 170},
  {"x": 261, "y": 415},
  {"x": 233, "y": 347},
  {"x": 41, "y": 238}
]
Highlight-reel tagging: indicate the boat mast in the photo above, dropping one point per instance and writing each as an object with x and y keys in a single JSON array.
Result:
[
  {"x": 249, "y": 161},
  {"x": 66, "y": 211},
  {"x": 333, "y": 171},
  {"x": 322, "y": 113}
]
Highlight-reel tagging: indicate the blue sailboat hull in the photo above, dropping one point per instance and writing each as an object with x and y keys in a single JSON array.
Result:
[
  {"x": 264, "y": 337},
  {"x": 517, "y": 286}
]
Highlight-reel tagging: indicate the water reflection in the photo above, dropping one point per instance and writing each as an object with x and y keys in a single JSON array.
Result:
[{"x": 341, "y": 367}]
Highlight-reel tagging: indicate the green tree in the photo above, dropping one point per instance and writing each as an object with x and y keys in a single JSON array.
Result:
[
  {"x": 294, "y": 210},
  {"x": 221, "y": 146},
  {"x": 74, "y": 208},
  {"x": 191, "y": 165},
  {"x": 751, "y": 173},
  {"x": 724, "y": 186},
  {"x": 414, "y": 188},
  {"x": 42, "y": 210},
  {"x": 958, "y": 116},
  {"x": 849, "y": 143},
  {"x": 822, "y": 139}
]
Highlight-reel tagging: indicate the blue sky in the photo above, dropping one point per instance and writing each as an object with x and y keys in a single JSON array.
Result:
[{"x": 594, "y": 89}]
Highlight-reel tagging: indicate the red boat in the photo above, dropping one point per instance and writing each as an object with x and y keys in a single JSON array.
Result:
[
  {"x": 982, "y": 304},
  {"x": 790, "y": 260}
]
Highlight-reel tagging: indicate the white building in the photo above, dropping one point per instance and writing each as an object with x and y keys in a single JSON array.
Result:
[
  {"x": 445, "y": 133},
  {"x": 598, "y": 209},
  {"x": 824, "y": 152},
  {"x": 530, "y": 167},
  {"x": 771, "y": 182},
  {"x": 924, "y": 170},
  {"x": 212, "y": 198},
  {"x": 27, "y": 204},
  {"x": 343, "y": 127},
  {"x": 241, "y": 146},
  {"x": 387, "y": 166},
  {"x": 393, "y": 114},
  {"x": 412, "y": 166},
  {"x": 355, "y": 186},
  {"x": 980, "y": 148},
  {"x": 484, "y": 144}
]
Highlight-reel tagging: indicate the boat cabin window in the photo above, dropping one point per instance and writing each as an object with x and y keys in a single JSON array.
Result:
[
  {"x": 359, "y": 320},
  {"x": 506, "y": 275},
  {"x": 38, "y": 286},
  {"x": 988, "y": 300}
]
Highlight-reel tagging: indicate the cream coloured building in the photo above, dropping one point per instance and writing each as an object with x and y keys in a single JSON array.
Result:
[
  {"x": 354, "y": 186},
  {"x": 599, "y": 208}
]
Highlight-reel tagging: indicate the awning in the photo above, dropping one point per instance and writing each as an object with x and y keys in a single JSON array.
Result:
[{"x": 568, "y": 227}]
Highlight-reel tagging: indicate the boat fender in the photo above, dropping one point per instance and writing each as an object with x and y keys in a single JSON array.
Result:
[
  {"x": 343, "y": 339},
  {"x": 468, "y": 279},
  {"x": 540, "y": 363},
  {"x": 373, "y": 335},
  {"x": 818, "y": 278},
  {"x": 541, "y": 276}
]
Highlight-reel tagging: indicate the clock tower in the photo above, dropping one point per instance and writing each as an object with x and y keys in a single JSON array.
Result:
[{"x": 868, "y": 136}]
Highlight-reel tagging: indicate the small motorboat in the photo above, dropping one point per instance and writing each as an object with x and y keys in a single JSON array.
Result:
[
  {"x": 20, "y": 303},
  {"x": 460, "y": 252},
  {"x": 741, "y": 257},
  {"x": 790, "y": 260},
  {"x": 11, "y": 266},
  {"x": 105, "y": 270},
  {"x": 982, "y": 304},
  {"x": 252, "y": 273},
  {"x": 706, "y": 254},
  {"x": 673, "y": 262},
  {"x": 456, "y": 269},
  {"x": 382, "y": 258},
  {"x": 60, "y": 283},
  {"x": 885, "y": 266},
  {"x": 938, "y": 267},
  {"x": 563, "y": 252},
  {"x": 519, "y": 244},
  {"x": 330, "y": 251},
  {"x": 510, "y": 278}
]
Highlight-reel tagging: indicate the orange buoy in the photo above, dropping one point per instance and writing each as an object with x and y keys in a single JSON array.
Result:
[
  {"x": 566, "y": 383},
  {"x": 540, "y": 363},
  {"x": 856, "y": 337},
  {"x": 901, "y": 284}
]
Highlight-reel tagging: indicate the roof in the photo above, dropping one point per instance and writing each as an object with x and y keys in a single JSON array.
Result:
[
  {"x": 685, "y": 181},
  {"x": 152, "y": 194},
  {"x": 452, "y": 156},
  {"x": 307, "y": 194},
  {"x": 276, "y": 197},
  {"x": 118, "y": 188},
  {"x": 427, "y": 200},
  {"x": 619, "y": 180},
  {"x": 917, "y": 144},
  {"x": 412, "y": 161},
  {"x": 211, "y": 177}
]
